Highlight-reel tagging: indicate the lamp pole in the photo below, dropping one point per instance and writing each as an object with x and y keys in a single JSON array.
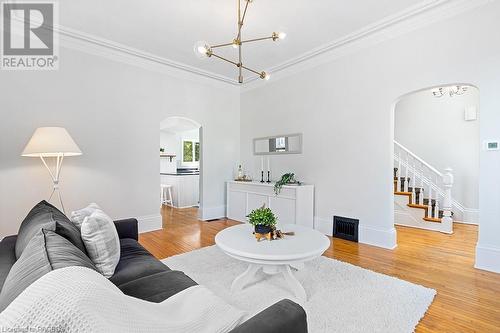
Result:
[{"x": 55, "y": 178}]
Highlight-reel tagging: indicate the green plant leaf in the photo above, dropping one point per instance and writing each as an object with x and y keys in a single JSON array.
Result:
[{"x": 262, "y": 216}]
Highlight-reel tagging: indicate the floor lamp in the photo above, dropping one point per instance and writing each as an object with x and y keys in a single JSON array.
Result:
[{"x": 52, "y": 142}]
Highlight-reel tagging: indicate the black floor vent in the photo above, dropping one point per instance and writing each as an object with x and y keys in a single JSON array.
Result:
[{"x": 345, "y": 228}]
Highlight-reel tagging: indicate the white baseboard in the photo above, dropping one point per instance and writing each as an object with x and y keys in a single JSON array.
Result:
[
  {"x": 385, "y": 238},
  {"x": 367, "y": 235},
  {"x": 325, "y": 226},
  {"x": 470, "y": 216},
  {"x": 488, "y": 258},
  {"x": 149, "y": 223},
  {"x": 212, "y": 213}
]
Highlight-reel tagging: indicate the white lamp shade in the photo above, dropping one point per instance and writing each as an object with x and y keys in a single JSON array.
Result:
[{"x": 50, "y": 142}]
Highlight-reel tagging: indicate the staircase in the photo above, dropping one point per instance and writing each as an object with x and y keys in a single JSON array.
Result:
[{"x": 422, "y": 194}]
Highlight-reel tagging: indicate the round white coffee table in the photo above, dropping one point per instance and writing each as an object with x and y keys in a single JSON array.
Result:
[{"x": 274, "y": 257}]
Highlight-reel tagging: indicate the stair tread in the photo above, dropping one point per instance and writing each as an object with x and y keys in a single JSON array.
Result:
[
  {"x": 403, "y": 193},
  {"x": 432, "y": 219},
  {"x": 418, "y": 206}
]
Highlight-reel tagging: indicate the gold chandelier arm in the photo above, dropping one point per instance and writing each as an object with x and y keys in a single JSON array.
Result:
[
  {"x": 240, "y": 77},
  {"x": 256, "y": 39},
  {"x": 242, "y": 42},
  {"x": 236, "y": 64},
  {"x": 221, "y": 45},
  {"x": 222, "y": 58},
  {"x": 251, "y": 70},
  {"x": 241, "y": 19},
  {"x": 244, "y": 13}
]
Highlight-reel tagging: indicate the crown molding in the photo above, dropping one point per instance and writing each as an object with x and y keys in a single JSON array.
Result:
[
  {"x": 91, "y": 44},
  {"x": 88, "y": 43},
  {"x": 413, "y": 18}
]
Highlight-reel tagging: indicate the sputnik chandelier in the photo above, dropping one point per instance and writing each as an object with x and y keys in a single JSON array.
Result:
[
  {"x": 455, "y": 90},
  {"x": 204, "y": 50}
]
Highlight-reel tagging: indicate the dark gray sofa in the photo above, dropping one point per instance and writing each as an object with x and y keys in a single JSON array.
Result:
[{"x": 140, "y": 274}]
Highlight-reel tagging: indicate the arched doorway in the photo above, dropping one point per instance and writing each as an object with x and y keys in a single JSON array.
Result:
[
  {"x": 181, "y": 170},
  {"x": 436, "y": 157}
]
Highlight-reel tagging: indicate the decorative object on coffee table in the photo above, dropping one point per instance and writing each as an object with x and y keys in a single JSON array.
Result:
[
  {"x": 286, "y": 179},
  {"x": 263, "y": 220},
  {"x": 272, "y": 257}
]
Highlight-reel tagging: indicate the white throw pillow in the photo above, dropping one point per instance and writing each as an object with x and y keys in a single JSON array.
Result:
[
  {"x": 78, "y": 216},
  {"x": 101, "y": 241}
]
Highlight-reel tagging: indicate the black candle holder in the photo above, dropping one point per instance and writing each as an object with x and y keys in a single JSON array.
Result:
[
  {"x": 262, "y": 176},
  {"x": 268, "y": 176}
]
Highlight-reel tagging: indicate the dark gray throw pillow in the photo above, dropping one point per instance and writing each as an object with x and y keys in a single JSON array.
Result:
[
  {"x": 46, "y": 216},
  {"x": 45, "y": 252}
]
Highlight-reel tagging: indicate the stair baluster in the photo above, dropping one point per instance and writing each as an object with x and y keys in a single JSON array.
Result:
[
  {"x": 399, "y": 172},
  {"x": 436, "y": 205},
  {"x": 421, "y": 194},
  {"x": 406, "y": 173},
  {"x": 413, "y": 190},
  {"x": 436, "y": 210},
  {"x": 447, "y": 202},
  {"x": 429, "y": 203}
]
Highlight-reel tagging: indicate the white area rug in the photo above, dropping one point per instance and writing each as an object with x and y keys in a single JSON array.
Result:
[{"x": 341, "y": 297}]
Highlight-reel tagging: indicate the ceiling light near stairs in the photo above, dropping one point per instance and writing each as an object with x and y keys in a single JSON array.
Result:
[{"x": 455, "y": 90}]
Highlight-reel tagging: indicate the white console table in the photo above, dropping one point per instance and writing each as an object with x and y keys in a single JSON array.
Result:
[{"x": 294, "y": 204}]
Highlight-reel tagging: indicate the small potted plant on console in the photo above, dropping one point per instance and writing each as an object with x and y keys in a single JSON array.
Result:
[{"x": 263, "y": 220}]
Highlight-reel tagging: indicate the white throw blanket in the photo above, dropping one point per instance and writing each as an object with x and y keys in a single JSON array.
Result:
[{"x": 77, "y": 299}]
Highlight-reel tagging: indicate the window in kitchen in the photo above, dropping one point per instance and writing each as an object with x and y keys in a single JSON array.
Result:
[{"x": 190, "y": 151}]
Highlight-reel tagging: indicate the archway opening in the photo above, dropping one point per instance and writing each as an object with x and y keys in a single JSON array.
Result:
[
  {"x": 436, "y": 157},
  {"x": 181, "y": 170}
]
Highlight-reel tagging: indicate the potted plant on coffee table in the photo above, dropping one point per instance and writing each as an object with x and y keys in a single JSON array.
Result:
[{"x": 263, "y": 220}]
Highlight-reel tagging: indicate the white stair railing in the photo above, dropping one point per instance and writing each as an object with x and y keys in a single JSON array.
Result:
[{"x": 433, "y": 183}]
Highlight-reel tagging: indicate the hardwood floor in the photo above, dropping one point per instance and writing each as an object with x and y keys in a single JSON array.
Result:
[{"x": 468, "y": 300}]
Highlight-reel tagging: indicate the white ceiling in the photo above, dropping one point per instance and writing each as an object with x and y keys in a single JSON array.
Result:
[{"x": 169, "y": 29}]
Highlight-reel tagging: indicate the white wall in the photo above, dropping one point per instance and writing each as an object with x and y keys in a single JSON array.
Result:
[
  {"x": 113, "y": 111},
  {"x": 435, "y": 129},
  {"x": 170, "y": 142},
  {"x": 344, "y": 107}
]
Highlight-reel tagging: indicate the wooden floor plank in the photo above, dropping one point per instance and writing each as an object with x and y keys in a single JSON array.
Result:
[{"x": 468, "y": 299}]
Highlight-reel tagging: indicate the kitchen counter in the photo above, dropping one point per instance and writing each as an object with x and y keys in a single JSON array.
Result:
[
  {"x": 185, "y": 187},
  {"x": 180, "y": 174}
]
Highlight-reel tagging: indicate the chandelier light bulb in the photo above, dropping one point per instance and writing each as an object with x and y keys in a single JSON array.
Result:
[
  {"x": 201, "y": 49},
  {"x": 282, "y": 35},
  {"x": 265, "y": 76},
  {"x": 438, "y": 92}
]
